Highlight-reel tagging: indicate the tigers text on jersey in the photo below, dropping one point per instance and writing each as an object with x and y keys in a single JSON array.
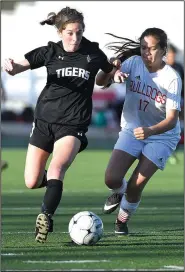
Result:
[
  {"x": 67, "y": 96},
  {"x": 149, "y": 96}
]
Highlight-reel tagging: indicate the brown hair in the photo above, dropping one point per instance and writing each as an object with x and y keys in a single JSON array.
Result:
[{"x": 64, "y": 17}]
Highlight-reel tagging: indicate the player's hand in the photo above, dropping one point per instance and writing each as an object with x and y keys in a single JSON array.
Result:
[
  {"x": 120, "y": 77},
  {"x": 116, "y": 62},
  {"x": 8, "y": 66},
  {"x": 142, "y": 133}
]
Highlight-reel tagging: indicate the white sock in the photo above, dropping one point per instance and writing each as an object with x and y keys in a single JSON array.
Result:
[
  {"x": 122, "y": 189},
  {"x": 126, "y": 209}
]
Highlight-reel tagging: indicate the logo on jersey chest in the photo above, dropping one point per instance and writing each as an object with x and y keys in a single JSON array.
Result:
[
  {"x": 146, "y": 90},
  {"x": 73, "y": 72}
]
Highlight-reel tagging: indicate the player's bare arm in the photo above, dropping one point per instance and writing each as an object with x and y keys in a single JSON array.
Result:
[
  {"x": 102, "y": 78},
  {"x": 169, "y": 123},
  {"x": 13, "y": 68}
]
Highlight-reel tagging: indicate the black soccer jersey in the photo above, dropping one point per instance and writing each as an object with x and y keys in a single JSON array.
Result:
[{"x": 67, "y": 96}]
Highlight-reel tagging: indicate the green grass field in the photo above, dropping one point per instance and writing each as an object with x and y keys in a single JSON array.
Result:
[{"x": 156, "y": 240}]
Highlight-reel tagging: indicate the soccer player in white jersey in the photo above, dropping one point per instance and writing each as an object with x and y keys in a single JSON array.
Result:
[{"x": 150, "y": 128}]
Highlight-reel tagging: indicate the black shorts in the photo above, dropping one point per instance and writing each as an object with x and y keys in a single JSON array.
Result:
[{"x": 44, "y": 135}]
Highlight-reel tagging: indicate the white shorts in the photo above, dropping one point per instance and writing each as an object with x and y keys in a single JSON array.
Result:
[{"x": 156, "y": 151}]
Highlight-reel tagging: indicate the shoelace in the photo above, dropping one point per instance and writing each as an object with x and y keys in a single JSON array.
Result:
[{"x": 115, "y": 196}]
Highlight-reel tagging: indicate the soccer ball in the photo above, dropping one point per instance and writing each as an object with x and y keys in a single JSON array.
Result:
[{"x": 85, "y": 228}]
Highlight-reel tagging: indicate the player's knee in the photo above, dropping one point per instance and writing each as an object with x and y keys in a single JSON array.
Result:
[
  {"x": 30, "y": 182},
  {"x": 112, "y": 181},
  {"x": 56, "y": 170}
]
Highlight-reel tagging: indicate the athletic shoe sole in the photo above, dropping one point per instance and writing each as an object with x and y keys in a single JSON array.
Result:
[
  {"x": 121, "y": 233},
  {"x": 42, "y": 228}
]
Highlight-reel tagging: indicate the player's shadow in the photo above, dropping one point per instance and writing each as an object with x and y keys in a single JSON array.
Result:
[{"x": 72, "y": 244}]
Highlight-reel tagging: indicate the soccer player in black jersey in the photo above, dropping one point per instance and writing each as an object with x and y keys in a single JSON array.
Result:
[{"x": 64, "y": 107}]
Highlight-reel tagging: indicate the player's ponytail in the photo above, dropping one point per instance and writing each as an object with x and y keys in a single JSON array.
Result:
[
  {"x": 64, "y": 17},
  {"x": 50, "y": 19},
  {"x": 126, "y": 49}
]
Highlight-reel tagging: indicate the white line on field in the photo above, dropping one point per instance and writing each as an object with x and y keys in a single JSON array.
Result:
[
  {"x": 89, "y": 208},
  {"x": 174, "y": 267},
  {"x": 19, "y": 232},
  {"x": 56, "y": 232},
  {"x": 11, "y": 254},
  {"x": 14, "y": 191},
  {"x": 96, "y": 270},
  {"x": 70, "y": 261}
]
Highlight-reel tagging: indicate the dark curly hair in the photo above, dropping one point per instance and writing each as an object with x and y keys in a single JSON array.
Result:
[{"x": 130, "y": 48}]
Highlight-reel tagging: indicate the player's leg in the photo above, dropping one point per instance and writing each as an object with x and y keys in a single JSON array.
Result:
[
  {"x": 125, "y": 152},
  {"x": 39, "y": 149},
  {"x": 130, "y": 201},
  {"x": 65, "y": 151},
  {"x": 34, "y": 174},
  {"x": 117, "y": 168},
  {"x": 154, "y": 157}
]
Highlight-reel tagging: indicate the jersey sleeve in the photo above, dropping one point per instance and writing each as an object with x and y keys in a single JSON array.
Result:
[
  {"x": 173, "y": 98},
  {"x": 37, "y": 57},
  {"x": 106, "y": 66}
]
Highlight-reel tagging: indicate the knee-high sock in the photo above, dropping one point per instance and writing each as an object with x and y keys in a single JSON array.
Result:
[
  {"x": 52, "y": 196},
  {"x": 122, "y": 189},
  {"x": 126, "y": 209}
]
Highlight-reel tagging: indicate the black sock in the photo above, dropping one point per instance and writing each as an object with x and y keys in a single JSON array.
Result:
[
  {"x": 52, "y": 196},
  {"x": 44, "y": 180}
]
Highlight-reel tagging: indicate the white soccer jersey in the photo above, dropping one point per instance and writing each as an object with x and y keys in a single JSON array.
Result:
[{"x": 149, "y": 96}]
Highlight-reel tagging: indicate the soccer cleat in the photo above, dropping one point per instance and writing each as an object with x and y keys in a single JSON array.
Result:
[
  {"x": 44, "y": 224},
  {"x": 121, "y": 228},
  {"x": 112, "y": 203}
]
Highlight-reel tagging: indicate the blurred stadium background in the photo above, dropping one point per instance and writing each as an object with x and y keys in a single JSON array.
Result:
[
  {"x": 20, "y": 93},
  {"x": 163, "y": 223}
]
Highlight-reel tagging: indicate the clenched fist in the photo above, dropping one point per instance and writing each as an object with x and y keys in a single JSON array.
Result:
[
  {"x": 142, "y": 133},
  {"x": 8, "y": 66}
]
